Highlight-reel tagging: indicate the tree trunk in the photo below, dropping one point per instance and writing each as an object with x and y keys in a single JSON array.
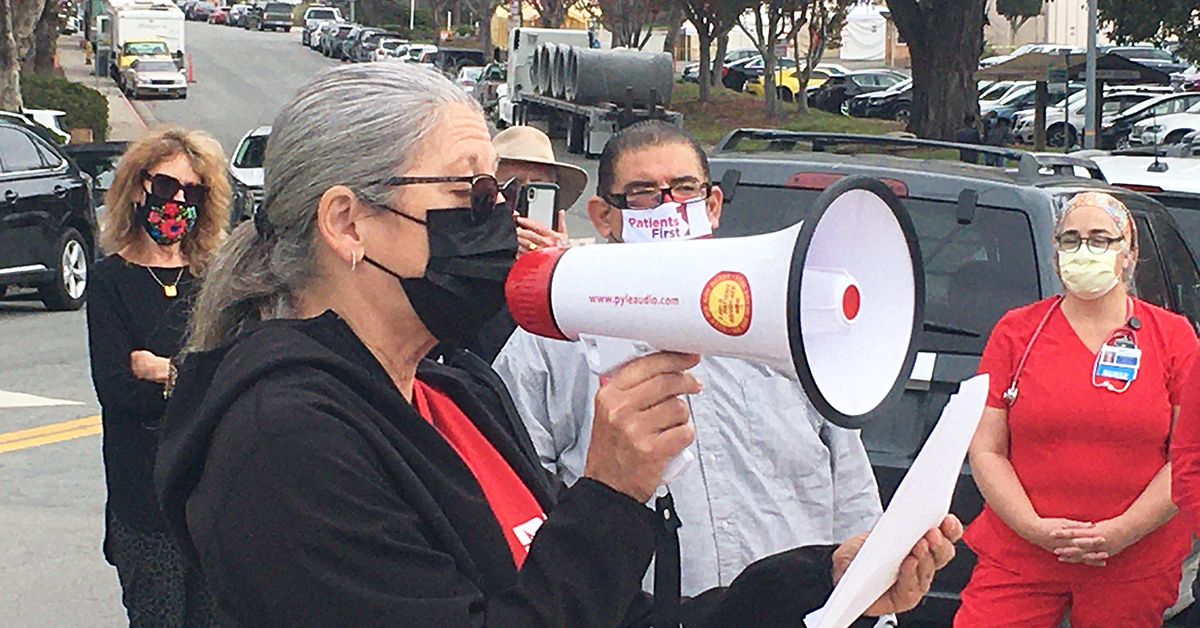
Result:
[
  {"x": 45, "y": 39},
  {"x": 674, "y": 26},
  {"x": 771, "y": 108},
  {"x": 805, "y": 72},
  {"x": 704, "y": 75},
  {"x": 945, "y": 39},
  {"x": 10, "y": 75},
  {"x": 718, "y": 62}
]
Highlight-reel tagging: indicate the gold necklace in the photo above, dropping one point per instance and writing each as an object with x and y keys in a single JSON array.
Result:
[{"x": 169, "y": 289}]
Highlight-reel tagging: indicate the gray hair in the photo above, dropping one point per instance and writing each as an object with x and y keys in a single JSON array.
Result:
[{"x": 353, "y": 126}]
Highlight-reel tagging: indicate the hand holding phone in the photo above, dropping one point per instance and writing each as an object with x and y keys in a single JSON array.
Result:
[{"x": 539, "y": 202}]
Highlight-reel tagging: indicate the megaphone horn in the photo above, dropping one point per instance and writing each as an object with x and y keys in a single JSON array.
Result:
[{"x": 833, "y": 301}]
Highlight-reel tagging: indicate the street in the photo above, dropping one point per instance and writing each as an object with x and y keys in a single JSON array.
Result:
[{"x": 51, "y": 474}]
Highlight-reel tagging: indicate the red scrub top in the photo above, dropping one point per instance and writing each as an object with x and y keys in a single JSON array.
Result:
[
  {"x": 1082, "y": 452},
  {"x": 1185, "y": 451}
]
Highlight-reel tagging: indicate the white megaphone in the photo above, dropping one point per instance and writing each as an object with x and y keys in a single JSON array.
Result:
[{"x": 833, "y": 301}]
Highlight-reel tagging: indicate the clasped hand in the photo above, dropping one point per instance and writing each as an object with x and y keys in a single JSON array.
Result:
[{"x": 1086, "y": 542}]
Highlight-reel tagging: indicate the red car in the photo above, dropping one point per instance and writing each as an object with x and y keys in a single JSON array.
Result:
[{"x": 218, "y": 16}]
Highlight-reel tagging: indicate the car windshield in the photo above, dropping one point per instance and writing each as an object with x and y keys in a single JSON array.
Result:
[
  {"x": 322, "y": 14},
  {"x": 278, "y": 7},
  {"x": 250, "y": 154},
  {"x": 1144, "y": 53},
  {"x": 206, "y": 5},
  {"x": 146, "y": 48},
  {"x": 1016, "y": 95},
  {"x": 390, "y": 44},
  {"x": 156, "y": 66}
]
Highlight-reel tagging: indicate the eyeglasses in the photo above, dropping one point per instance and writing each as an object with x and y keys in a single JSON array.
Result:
[
  {"x": 166, "y": 186},
  {"x": 1097, "y": 243},
  {"x": 485, "y": 190},
  {"x": 649, "y": 198}
]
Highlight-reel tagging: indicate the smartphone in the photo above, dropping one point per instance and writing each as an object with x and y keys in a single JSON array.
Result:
[{"x": 539, "y": 201}]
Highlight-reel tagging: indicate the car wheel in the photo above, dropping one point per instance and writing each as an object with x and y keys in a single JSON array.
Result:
[
  {"x": 903, "y": 114},
  {"x": 68, "y": 291},
  {"x": 1175, "y": 137},
  {"x": 784, "y": 94}
]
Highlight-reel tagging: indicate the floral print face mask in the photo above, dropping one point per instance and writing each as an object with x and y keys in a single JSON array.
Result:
[{"x": 167, "y": 220}]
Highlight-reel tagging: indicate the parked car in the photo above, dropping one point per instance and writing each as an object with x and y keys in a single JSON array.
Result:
[
  {"x": 1171, "y": 176},
  {"x": 331, "y": 42},
  {"x": 47, "y": 221},
  {"x": 201, "y": 10},
  {"x": 417, "y": 52},
  {"x": 468, "y": 77},
  {"x": 487, "y": 91},
  {"x": 451, "y": 60},
  {"x": 246, "y": 173},
  {"x": 691, "y": 72},
  {"x": 45, "y": 123},
  {"x": 893, "y": 103},
  {"x": 787, "y": 83},
  {"x": 1050, "y": 49},
  {"x": 275, "y": 16},
  {"x": 735, "y": 75},
  {"x": 319, "y": 33},
  {"x": 237, "y": 13},
  {"x": 1024, "y": 97},
  {"x": 1168, "y": 129},
  {"x": 995, "y": 91},
  {"x": 98, "y": 163},
  {"x": 985, "y": 236},
  {"x": 389, "y": 49},
  {"x": 1066, "y": 123},
  {"x": 364, "y": 51},
  {"x": 153, "y": 77},
  {"x": 834, "y": 94},
  {"x": 219, "y": 15},
  {"x": 1117, "y": 134},
  {"x": 1149, "y": 56},
  {"x": 314, "y": 16}
]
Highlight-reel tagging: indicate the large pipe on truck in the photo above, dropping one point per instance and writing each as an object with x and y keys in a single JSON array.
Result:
[
  {"x": 558, "y": 70},
  {"x": 615, "y": 76}
]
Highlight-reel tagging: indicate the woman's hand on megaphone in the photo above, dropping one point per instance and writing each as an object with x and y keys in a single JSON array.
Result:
[
  {"x": 932, "y": 552},
  {"x": 641, "y": 423}
]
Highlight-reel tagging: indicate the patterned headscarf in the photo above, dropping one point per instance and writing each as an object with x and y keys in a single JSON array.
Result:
[{"x": 1121, "y": 216}]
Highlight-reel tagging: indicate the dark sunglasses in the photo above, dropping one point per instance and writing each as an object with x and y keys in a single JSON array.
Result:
[
  {"x": 166, "y": 186},
  {"x": 485, "y": 190}
]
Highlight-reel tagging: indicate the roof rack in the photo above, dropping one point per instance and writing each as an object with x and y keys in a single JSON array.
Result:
[{"x": 1031, "y": 166}]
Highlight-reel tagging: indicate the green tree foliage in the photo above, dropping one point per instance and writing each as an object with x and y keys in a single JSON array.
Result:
[
  {"x": 1158, "y": 21},
  {"x": 84, "y": 106}
]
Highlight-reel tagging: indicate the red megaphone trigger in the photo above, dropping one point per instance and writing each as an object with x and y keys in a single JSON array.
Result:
[{"x": 527, "y": 291}]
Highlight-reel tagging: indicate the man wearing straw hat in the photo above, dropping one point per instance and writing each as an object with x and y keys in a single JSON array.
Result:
[{"x": 526, "y": 153}]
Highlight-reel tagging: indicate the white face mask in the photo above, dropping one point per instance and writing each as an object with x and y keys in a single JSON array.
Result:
[
  {"x": 1088, "y": 275},
  {"x": 669, "y": 221}
]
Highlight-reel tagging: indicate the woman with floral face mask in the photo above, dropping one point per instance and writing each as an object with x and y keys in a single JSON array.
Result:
[
  {"x": 166, "y": 215},
  {"x": 1071, "y": 454}
]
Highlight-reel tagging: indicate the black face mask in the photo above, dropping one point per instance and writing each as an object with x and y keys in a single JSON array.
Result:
[{"x": 463, "y": 284}]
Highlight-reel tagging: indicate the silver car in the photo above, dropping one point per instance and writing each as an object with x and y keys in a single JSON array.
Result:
[{"x": 154, "y": 77}]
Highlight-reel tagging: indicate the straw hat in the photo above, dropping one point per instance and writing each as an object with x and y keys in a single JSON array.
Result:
[{"x": 529, "y": 145}]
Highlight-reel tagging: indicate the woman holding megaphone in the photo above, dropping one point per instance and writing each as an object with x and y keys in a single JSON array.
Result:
[{"x": 325, "y": 474}]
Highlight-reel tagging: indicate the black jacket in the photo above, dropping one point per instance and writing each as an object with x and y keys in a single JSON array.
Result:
[{"x": 314, "y": 495}]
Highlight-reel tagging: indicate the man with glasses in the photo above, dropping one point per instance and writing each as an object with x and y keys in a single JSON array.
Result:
[{"x": 770, "y": 473}]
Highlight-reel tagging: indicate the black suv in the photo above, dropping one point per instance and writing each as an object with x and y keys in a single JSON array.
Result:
[
  {"x": 47, "y": 222},
  {"x": 835, "y": 94},
  {"x": 270, "y": 15},
  {"x": 985, "y": 238}
]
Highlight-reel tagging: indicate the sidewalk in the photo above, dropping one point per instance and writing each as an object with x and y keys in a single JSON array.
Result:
[{"x": 124, "y": 123}]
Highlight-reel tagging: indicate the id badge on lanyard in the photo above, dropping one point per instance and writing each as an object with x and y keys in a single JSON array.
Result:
[{"x": 1119, "y": 359}]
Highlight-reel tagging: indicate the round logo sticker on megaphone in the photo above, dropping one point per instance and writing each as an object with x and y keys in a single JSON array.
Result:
[{"x": 833, "y": 301}]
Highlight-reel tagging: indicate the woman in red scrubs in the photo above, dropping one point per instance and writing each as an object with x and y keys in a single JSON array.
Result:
[
  {"x": 1071, "y": 454},
  {"x": 1185, "y": 451}
]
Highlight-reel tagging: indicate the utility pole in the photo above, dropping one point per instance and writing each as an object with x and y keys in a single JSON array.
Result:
[
  {"x": 1089, "y": 123},
  {"x": 412, "y": 14}
]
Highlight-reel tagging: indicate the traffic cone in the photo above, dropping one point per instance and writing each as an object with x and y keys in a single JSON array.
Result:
[{"x": 191, "y": 78}]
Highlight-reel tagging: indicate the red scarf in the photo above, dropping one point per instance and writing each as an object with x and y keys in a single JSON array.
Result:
[{"x": 515, "y": 508}]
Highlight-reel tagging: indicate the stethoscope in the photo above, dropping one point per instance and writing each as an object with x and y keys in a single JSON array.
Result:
[{"x": 1123, "y": 336}]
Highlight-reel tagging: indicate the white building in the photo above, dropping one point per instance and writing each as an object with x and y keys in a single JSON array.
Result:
[{"x": 1061, "y": 22}]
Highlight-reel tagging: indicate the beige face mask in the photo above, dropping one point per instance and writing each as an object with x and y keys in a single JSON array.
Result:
[{"x": 1088, "y": 275}]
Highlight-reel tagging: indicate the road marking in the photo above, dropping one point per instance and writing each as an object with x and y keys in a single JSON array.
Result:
[
  {"x": 22, "y": 400},
  {"x": 48, "y": 434}
]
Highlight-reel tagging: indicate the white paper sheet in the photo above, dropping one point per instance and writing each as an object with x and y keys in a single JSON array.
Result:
[{"x": 921, "y": 502}]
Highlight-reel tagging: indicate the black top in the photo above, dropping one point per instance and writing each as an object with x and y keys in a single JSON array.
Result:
[
  {"x": 127, "y": 310},
  {"x": 315, "y": 495}
]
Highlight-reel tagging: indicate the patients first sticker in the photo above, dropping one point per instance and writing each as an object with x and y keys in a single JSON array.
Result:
[{"x": 726, "y": 303}]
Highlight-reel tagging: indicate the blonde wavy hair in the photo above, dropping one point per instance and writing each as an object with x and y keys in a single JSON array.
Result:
[{"x": 119, "y": 227}]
